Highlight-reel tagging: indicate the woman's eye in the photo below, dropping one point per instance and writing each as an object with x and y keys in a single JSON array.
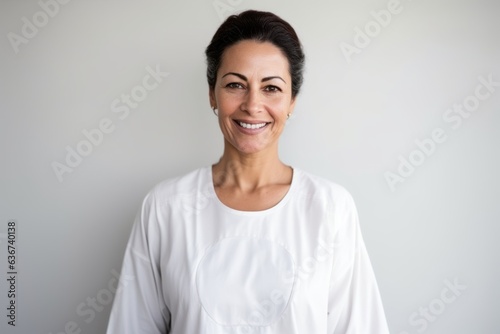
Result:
[
  {"x": 234, "y": 85},
  {"x": 272, "y": 89}
]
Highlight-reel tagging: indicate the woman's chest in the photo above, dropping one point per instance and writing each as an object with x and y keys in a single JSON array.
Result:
[{"x": 245, "y": 270}]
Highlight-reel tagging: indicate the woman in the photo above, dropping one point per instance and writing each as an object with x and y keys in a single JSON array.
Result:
[{"x": 249, "y": 245}]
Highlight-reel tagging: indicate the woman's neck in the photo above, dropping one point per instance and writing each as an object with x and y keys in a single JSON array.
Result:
[{"x": 249, "y": 172}]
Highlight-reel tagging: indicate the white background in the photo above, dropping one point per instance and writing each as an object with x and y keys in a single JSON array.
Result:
[{"x": 357, "y": 116}]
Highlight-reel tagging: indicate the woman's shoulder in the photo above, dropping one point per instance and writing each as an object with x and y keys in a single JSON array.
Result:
[{"x": 190, "y": 182}]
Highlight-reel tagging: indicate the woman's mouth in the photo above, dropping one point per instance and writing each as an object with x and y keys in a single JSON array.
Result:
[
  {"x": 251, "y": 125},
  {"x": 251, "y": 128}
]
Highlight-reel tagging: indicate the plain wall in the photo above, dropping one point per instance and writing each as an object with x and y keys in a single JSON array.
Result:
[{"x": 368, "y": 104}]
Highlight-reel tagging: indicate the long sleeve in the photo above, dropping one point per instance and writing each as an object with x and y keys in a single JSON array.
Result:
[
  {"x": 355, "y": 306},
  {"x": 139, "y": 305}
]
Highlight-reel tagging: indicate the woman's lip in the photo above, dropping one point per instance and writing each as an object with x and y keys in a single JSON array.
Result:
[{"x": 250, "y": 122}]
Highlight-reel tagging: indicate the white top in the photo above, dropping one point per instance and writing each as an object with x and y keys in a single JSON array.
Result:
[{"x": 194, "y": 265}]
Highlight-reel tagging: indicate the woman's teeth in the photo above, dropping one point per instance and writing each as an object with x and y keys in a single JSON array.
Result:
[{"x": 252, "y": 126}]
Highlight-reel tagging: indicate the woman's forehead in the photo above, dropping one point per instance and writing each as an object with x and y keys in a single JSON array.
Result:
[{"x": 261, "y": 58}]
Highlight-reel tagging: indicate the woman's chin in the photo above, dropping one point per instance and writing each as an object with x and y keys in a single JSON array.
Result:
[{"x": 250, "y": 148}]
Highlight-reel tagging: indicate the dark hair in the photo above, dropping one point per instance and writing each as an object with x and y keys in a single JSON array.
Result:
[{"x": 262, "y": 27}]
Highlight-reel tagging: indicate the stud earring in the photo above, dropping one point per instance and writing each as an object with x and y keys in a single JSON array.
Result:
[{"x": 288, "y": 115}]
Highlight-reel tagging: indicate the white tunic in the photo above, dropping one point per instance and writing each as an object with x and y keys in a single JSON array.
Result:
[{"x": 194, "y": 265}]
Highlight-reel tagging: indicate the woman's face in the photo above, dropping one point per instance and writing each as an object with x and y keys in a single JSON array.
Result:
[{"x": 253, "y": 94}]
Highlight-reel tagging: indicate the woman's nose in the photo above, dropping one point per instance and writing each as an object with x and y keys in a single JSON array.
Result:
[{"x": 252, "y": 102}]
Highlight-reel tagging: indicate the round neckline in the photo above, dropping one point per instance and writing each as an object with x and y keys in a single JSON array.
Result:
[{"x": 278, "y": 205}]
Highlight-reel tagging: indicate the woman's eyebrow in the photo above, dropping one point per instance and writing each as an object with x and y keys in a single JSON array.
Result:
[
  {"x": 242, "y": 77},
  {"x": 273, "y": 77}
]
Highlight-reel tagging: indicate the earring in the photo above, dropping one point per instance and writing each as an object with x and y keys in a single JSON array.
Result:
[
  {"x": 288, "y": 115},
  {"x": 215, "y": 113}
]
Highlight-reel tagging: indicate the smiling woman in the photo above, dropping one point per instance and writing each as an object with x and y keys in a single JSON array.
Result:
[
  {"x": 249, "y": 244},
  {"x": 253, "y": 99}
]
